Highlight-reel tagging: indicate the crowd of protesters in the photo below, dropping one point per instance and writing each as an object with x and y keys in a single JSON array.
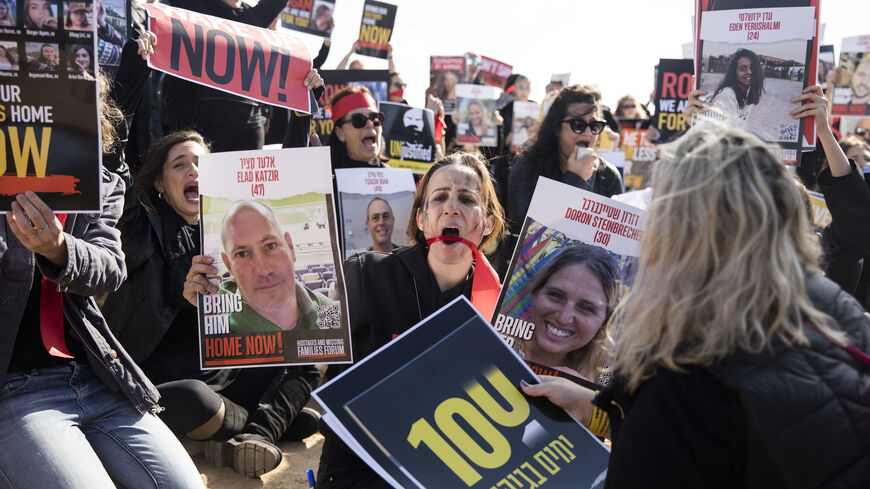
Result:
[{"x": 737, "y": 359}]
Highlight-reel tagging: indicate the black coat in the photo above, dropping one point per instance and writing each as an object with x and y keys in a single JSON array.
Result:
[{"x": 786, "y": 417}]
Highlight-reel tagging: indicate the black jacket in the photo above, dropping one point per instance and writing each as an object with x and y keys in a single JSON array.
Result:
[
  {"x": 786, "y": 417},
  {"x": 386, "y": 294},
  {"x": 524, "y": 175}
]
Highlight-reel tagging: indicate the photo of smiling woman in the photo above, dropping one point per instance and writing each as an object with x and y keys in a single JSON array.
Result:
[
  {"x": 572, "y": 299},
  {"x": 742, "y": 86}
]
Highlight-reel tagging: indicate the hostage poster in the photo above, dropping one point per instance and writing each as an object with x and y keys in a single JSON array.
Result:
[
  {"x": 852, "y": 93},
  {"x": 475, "y": 115},
  {"x": 410, "y": 136},
  {"x": 49, "y": 124},
  {"x": 752, "y": 60},
  {"x": 375, "y": 208},
  {"x": 571, "y": 265},
  {"x": 673, "y": 84},
  {"x": 259, "y": 64},
  {"x": 376, "y": 28},
  {"x": 445, "y": 72},
  {"x": 469, "y": 425},
  {"x": 640, "y": 155},
  {"x": 309, "y": 16},
  {"x": 376, "y": 81},
  {"x": 525, "y": 124},
  {"x": 268, "y": 221}
]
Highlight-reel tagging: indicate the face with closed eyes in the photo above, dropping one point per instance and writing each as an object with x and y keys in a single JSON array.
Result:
[
  {"x": 453, "y": 206},
  {"x": 568, "y": 310}
]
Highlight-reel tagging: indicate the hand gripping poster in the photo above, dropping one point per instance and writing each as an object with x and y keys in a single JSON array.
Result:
[
  {"x": 410, "y": 136},
  {"x": 673, "y": 84},
  {"x": 440, "y": 407},
  {"x": 852, "y": 93},
  {"x": 260, "y": 64},
  {"x": 376, "y": 28},
  {"x": 572, "y": 263},
  {"x": 475, "y": 115},
  {"x": 49, "y": 121},
  {"x": 753, "y": 59},
  {"x": 374, "y": 207},
  {"x": 308, "y": 16},
  {"x": 268, "y": 221}
]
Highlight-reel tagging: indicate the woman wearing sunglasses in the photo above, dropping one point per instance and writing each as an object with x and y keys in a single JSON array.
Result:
[
  {"x": 563, "y": 150},
  {"x": 355, "y": 140}
]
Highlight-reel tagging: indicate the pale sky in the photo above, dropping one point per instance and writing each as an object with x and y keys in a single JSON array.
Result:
[{"x": 614, "y": 44}]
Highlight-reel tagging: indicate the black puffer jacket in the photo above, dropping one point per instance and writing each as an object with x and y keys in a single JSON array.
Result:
[{"x": 787, "y": 417}]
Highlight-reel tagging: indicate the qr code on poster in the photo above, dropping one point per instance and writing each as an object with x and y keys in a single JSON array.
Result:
[
  {"x": 328, "y": 317},
  {"x": 788, "y": 132}
]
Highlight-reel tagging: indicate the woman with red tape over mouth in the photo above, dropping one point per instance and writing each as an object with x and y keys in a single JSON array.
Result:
[{"x": 455, "y": 217}]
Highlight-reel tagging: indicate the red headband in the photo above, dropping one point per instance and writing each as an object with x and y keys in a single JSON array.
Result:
[
  {"x": 351, "y": 102},
  {"x": 485, "y": 286},
  {"x": 510, "y": 89}
]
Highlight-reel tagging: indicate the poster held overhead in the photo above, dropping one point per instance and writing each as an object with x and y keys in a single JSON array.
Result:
[
  {"x": 475, "y": 115},
  {"x": 468, "y": 373},
  {"x": 445, "y": 72},
  {"x": 260, "y": 64},
  {"x": 852, "y": 94},
  {"x": 494, "y": 72},
  {"x": 376, "y": 28},
  {"x": 673, "y": 84},
  {"x": 308, "y": 16},
  {"x": 268, "y": 221}
]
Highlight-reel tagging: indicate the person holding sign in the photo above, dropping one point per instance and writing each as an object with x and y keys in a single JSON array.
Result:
[
  {"x": 729, "y": 313},
  {"x": 572, "y": 299},
  {"x": 563, "y": 150},
  {"x": 455, "y": 216}
]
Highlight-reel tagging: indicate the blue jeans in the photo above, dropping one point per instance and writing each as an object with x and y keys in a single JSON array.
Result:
[{"x": 61, "y": 427}]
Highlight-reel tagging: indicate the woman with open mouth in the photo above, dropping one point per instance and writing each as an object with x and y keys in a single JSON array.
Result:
[
  {"x": 454, "y": 218},
  {"x": 355, "y": 139},
  {"x": 572, "y": 298},
  {"x": 563, "y": 150}
]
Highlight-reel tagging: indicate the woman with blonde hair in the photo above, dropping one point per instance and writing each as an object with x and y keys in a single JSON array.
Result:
[{"x": 736, "y": 363}]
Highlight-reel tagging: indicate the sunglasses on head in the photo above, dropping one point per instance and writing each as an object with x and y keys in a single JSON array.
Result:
[
  {"x": 578, "y": 126},
  {"x": 359, "y": 120}
]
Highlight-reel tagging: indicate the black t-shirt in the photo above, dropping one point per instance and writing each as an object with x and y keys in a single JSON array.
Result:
[{"x": 29, "y": 352}]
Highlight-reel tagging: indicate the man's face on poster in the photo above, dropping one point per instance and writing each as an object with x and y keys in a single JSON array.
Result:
[
  {"x": 260, "y": 258},
  {"x": 861, "y": 81},
  {"x": 413, "y": 120},
  {"x": 380, "y": 222}
]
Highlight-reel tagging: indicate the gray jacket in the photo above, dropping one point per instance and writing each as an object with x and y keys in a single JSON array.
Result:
[{"x": 95, "y": 265}]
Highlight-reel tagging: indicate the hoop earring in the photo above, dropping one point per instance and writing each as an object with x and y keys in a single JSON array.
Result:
[{"x": 160, "y": 194}]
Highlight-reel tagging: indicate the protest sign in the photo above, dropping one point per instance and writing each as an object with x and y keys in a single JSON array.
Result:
[
  {"x": 377, "y": 82},
  {"x": 575, "y": 247},
  {"x": 49, "y": 121},
  {"x": 494, "y": 72},
  {"x": 470, "y": 426},
  {"x": 259, "y": 64},
  {"x": 445, "y": 72},
  {"x": 525, "y": 124},
  {"x": 821, "y": 214},
  {"x": 826, "y": 63},
  {"x": 852, "y": 94},
  {"x": 475, "y": 115},
  {"x": 309, "y": 16},
  {"x": 752, "y": 61},
  {"x": 640, "y": 155},
  {"x": 375, "y": 208},
  {"x": 376, "y": 28},
  {"x": 673, "y": 84},
  {"x": 111, "y": 29},
  {"x": 268, "y": 221},
  {"x": 410, "y": 136}
]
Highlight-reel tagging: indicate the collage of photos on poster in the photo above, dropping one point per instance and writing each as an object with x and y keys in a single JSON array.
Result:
[
  {"x": 475, "y": 115},
  {"x": 753, "y": 71},
  {"x": 571, "y": 265},
  {"x": 269, "y": 222},
  {"x": 852, "y": 93},
  {"x": 374, "y": 206}
]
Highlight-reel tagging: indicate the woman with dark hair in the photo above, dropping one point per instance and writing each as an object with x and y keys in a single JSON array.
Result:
[
  {"x": 46, "y": 61},
  {"x": 563, "y": 150},
  {"x": 741, "y": 87},
  {"x": 7, "y": 16},
  {"x": 454, "y": 218},
  {"x": 356, "y": 139},
  {"x": 38, "y": 14},
  {"x": 80, "y": 60},
  {"x": 7, "y": 59},
  {"x": 572, "y": 299},
  {"x": 77, "y": 16}
]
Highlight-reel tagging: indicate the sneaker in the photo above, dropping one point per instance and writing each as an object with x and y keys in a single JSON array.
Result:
[
  {"x": 248, "y": 454},
  {"x": 304, "y": 425}
]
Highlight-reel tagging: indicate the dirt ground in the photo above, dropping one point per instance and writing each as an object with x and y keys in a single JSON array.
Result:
[{"x": 299, "y": 456}]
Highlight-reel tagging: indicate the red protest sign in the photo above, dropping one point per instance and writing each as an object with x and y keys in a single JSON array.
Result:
[
  {"x": 494, "y": 72},
  {"x": 248, "y": 61}
]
